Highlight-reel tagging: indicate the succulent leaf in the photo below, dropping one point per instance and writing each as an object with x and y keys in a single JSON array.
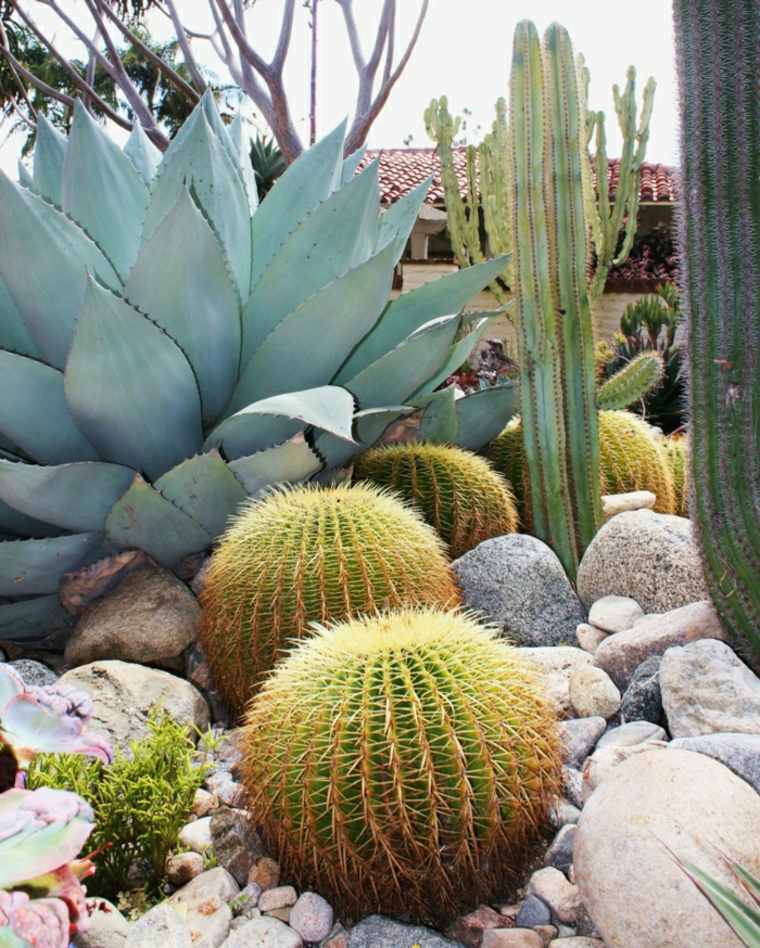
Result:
[
  {"x": 482, "y": 415},
  {"x": 11, "y": 684},
  {"x": 143, "y": 154},
  {"x": 457, "y": 356},
  {"x": 49, "y": 156},
  {"x": 401, "y": 216},
  {"x": 13, "y": 333},
  {"x": 33, "y": 923},
  {"x": 20, "y": 622},
  {"x": 14, "y": 524},
  {"x": 439, "y": 424},
  {"x": 186, "y": 287},
  {"x": 100, "y": 187},
  {"x": 351, "y": 163},
  {"x": 205, "y": 489},
  {"x": 119, "y": 363},
  {"x": 75, "y": 496},
  {"x": 142, "y": 519},
  {"x": 34, "y": 414},
  {"x": 36, "y": 567},
  {"x": 241, "y": 156},
  {"x": 24, "y": 177},
  {"x": 286, "y": 463},
  {"x": 63, "y": 256}
]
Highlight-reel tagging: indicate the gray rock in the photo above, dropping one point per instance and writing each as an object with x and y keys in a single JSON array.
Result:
[
  {"x": 149, "y": 617},
  {"x": 162, "y": 925},
  {"x": 560, "y": 854},
  {"x": 647, "y": 556},
  {"x": 209, "y": 921},
  {"x": 572, "y": 785},
  {"x": 706, "y": 689},
  {"x": 593, "y": 693},
  {"x": 533, "y": 912},
  {"x": 517, "y": 582},
  {"x": 578, "y": 736},
  {"x": 312, "y": 917},
  {"x": 236, "y": 843},
  {"x": 620, "y": 655},
  {"x": 246, "y": 904},
  {"x": 34, "y": 674},
  {"x": 564, "y": 813},
  {"x": 642, "y": 699},
  {"x": 589, "y": 637},
  {"x": 281, "y": 896},
  {"x": 556, "y": 665},
  {"x": 377, "y": 931},
  {"x": 553, "y": 888},
  {"x": 264, "y": 933},
  {"x": 614, "y": 613},
  {"x": 627, "y": 735},
  {"x": 739, "y": 752},
  {"x": 124, "y": 695},
  {"x": 196, "y": 835},
  {"x": 107, "y": 927},
  {"x": 657, "y": 803}
]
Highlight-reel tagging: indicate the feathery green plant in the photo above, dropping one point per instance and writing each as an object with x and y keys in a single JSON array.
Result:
[
  {"x": 168, "y": 347},
  {"x": 402, "y": 763},
  {"x": 716, "y": 53}
]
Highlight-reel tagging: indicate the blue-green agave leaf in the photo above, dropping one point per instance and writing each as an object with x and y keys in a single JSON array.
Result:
[
  {"x": 205, "y": 489},
  {"x": 400, "y": 217},
  {"x": 351, "y": 163},
  {"x": 442, "y": 297},
  {"x": 13, "y": 333},
  {"x": 34, "y": 414},
  {"x": 30, "y": 621},
  {"x": 457, "y": 355},
  {"x": 130, "y": 388},
  {"x": 185, "y": 286},
  {"x": 103, "y": 191},
  {"x": 76, "y": 497},
  {"x": 369, "y": 425},
  {"x": 242, "y": 158},
  {"x": 24, "y": 177},
  {"x": 337, "y": 235},
  {"x": 49, "y": 155},
  {"x": 483, "y": 415},
  {"x": 439, "y": 423},
  {"x": 143, "y": 154},
  {"x": 14, "y": 524},
  {"x": 287, "y": 463},
  {"x": 301, "y": 188},
  {"x": 199, "y": 161},
  {"x": 50, "y": 297},
  {"x": 303, "y": 345},
  {"x": 36, "y": 567},
  {"x": 142, "y": 519},
  {"x": 263, "y": 423}
]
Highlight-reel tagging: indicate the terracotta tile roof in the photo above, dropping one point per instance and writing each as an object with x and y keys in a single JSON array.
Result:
[{"x": 402, "y": 169}]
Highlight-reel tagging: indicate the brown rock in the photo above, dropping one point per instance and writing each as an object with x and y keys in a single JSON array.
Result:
[
  {"x": 183, "y": 867},
  {"x": 469, "y": 929},
  {"x": 265, "y": 872},
  {"x": 281, "y": 896},
  {"x": 512, "y": 938},
  {"x": 79, "y": 589},
  {"x": 552, "y": 887}
]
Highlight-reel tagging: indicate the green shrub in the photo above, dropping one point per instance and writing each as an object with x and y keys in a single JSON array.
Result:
[{"x": 140, "y": 801}]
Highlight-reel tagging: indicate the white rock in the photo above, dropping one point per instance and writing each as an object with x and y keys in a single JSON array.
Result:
[
  {"x": 656, "y": 803},
  {"x": 633, "y": 732},
  {"x": 614, "y": 613},
  {"x": 620, "y": 655},
  {"x": 182, "y": 867},
  {"x": 552, "y": 887},
  {"x": 107, "y": 927},
  {"x": 196, "y": 835},
  {"x": 208, "y": 920},
  {"x": 312, "y": 917},
  {"x": 603, "y": 763},
  {"x": 707, "y": 689},
  {"x": 264, "y": 933},
  {"x": 593, "y": 693},
  {"x": 282, "y": 896},
  {"x": 213, "y": 882},
  {"x": 556, "y": 664},
  {"x": 162, "y": 925},
  {"x": 589, "y": 637},
  {"x": 614, "y": 504}
]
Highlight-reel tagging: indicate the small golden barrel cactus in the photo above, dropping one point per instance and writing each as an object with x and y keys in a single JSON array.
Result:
[
  {"x": 402, "y": 763},
  {"x": 457, "y": 492},
  {"x": 676, "y": 448},
  {"x": 312, "y": 555},
  {"x": 631, "y": 459}
]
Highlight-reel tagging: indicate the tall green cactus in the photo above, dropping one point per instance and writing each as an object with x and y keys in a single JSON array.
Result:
[
  {"x": 537, "y": 196},
  {"x": 716, "y": 48}
]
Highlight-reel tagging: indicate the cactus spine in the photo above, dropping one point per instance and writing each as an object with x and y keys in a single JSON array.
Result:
[
  {"x": 635, "y": 380},
  {"x": 716, "y": 52},
  {"x": 535, "y": 171}
]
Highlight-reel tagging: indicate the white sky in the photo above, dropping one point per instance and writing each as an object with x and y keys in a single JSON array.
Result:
[{"x": 463, "y": 52}]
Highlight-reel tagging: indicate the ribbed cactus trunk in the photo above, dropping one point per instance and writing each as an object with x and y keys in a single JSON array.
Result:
[
  {"x": 718, "y": 52},
  {"x": 554, "y": 325}
]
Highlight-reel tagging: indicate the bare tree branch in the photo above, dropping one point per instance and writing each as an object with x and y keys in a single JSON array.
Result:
[
  {"x": 4, "y": 44},
  {"x": 283, "y": 43},
  {"x": 184, "y": 44}
]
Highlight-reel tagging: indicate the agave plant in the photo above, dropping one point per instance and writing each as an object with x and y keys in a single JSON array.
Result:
[
  {"x": 41, "y": 834},
  {"x": 53, "y": 719},
  {"x": 167, "y": 346}
]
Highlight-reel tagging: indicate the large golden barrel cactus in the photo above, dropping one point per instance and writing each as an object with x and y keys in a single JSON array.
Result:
[
  {"x": 402, "y": 763},
  {"x": 457, "y": 492},
  {"x": 312, "y": 555},
  {"x": 676, "y": 448},
  {"x": 631, "y": 459}
]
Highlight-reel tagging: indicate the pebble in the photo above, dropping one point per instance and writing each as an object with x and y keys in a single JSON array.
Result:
[
  {"x": 576, "y": 942},
  {"x": 265, "y": 872},
  {"x": 263, "y": 933},
  {"x": 578, "y": 737},
  {"x": 572, "y": 785},
  {"x": 204, "y": 802},
  {"x": 512, "y": 938},
  {"x": 642, "y": 700},
  {"x": 593, "y": 693},
  {"x": 614, "y": 613},
  {"x": 589, "y": 637},
  {"x": 183, "y": 867},
  {"x": 633, "y": 732},
  {"x": 311, "y": 917},
  {"x": 614, "y": 504},
  {"x": 560, "y": 853},
  {"x": 196, "y": 835},
  {"x": 552, "y": 887},
  {"x": 556, "y": 665},
  {"x": 563, "y": 813},
  {"x": 533, "y": 912},
  {"x": 468, "y": 929},
  {"x": 282, "y": 896}
]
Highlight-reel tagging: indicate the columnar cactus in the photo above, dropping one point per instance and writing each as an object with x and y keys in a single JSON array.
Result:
[
  {"x": 402, "y": 763},
  {"x": 457, "y": 492},
  {"x": 312, "y": 555},
  {"x": 717, "y": 58},
  {"x": 550, "y": 193}
]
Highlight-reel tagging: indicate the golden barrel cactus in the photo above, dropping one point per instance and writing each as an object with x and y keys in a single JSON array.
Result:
[
  {"x": 402, "y": 763},
  {"x": 457, "y": 492},
  {"x": 631, "y": 459},
  {"x": 308, "y": 555},
  {"x": 676, "y": 448}
]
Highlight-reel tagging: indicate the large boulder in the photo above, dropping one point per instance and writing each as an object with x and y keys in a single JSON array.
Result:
[
  {"x": 556, "y": 666},
  {"x": 123, "y": 695},
  {"x": 706, "y": 688},
  {"x": 739, "y": 752},
  {"x": 621, "y": 654},
  {"x": 377, "y": 931},
  {"x": 657, "y": 803},
  {"x": 150, "y": 617},
  {"x": 649, "y": 557},
  {"x": 517, "y": 582}
]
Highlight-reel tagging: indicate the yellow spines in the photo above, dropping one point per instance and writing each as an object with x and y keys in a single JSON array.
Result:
[
  {"x": 676, "y": 448},
  {"x": 402, "y": 763},
  {"x": 457, "y": 492},
  {"x": 312, "y": 555}
]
